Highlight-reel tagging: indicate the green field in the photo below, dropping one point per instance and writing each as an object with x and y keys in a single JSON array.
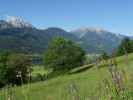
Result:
[
  {"x": 39, "y": 70},
  {"x": 85, "y": 85}
]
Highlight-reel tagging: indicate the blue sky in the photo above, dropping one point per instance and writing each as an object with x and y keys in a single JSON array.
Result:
[{"x": 112, "y": 15}]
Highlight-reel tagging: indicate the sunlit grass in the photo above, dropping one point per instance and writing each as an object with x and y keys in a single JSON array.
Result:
[
  {"x": 87, "y": 84},
  {"x": 39, "y": 70}
]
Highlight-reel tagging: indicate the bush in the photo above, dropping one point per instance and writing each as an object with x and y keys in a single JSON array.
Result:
[
  {"x": 126, "y": 46},
  {"x": 63, "y": 54},
  {"x": 18, "y": 69},
  {"x": 3, "y": 68},
  {"x": 14, "y": 68},
  {"x": 104, "y": 56},
  {"x": 38, "y": 78}
]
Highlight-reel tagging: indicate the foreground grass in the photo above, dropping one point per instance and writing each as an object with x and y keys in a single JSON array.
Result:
[{"x": 85, "y": 85}]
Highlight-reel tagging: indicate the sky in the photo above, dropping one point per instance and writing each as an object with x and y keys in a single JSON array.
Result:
[{"x": 112, "y": 15}]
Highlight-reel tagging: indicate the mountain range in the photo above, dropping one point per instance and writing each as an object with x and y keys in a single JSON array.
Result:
[{"x": 17, "y": 35}]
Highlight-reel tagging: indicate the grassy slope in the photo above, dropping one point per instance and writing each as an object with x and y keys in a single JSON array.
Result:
[{"x": 86, "y": 85}]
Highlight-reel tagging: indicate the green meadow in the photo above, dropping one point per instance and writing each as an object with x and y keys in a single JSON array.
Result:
[{"x": 87, "y": 84}]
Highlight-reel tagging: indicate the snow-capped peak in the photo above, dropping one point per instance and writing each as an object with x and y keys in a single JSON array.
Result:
[{"x": 17, "y": 22}]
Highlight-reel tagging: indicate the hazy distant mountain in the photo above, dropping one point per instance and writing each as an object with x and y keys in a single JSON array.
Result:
[
  {"x": 20, "y": 36},
  {"x": 97, "y": 39}
]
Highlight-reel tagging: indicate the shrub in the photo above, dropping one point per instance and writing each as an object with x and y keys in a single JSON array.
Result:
[
  {"x": 125, "y": 47},
  {"x": 3, "y": 68},
  {"x": 105, "y": 56},
  {"x": 14, "y": 68},
  {"x": 18, "y": 69}
]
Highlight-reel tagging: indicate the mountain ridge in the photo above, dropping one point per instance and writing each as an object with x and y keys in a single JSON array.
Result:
[{"x": 28, "y": 39}]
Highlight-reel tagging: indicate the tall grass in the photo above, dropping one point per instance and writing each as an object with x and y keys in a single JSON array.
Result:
[
  {"x": 112, "y": 83},
  {"x": 116, "y": 88}
]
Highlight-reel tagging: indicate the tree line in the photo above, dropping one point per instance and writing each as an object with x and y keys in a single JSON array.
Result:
[{"x": 61, "y": 54}]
